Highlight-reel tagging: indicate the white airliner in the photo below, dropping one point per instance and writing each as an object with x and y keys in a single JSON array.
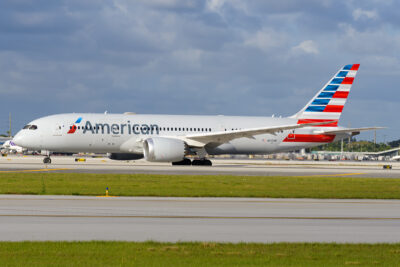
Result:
[
  {"x": 170, "y": 138},
  {"x": 10, "y": 147},
  {"x": 395, "y": 158}
]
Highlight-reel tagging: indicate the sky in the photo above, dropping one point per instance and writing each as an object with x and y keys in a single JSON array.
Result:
[{"x": 211, "y": 57}]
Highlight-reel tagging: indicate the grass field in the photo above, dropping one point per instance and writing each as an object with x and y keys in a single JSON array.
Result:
[
  {"x": 196, "y": 254},
  {"x": 199, "y": 186}
]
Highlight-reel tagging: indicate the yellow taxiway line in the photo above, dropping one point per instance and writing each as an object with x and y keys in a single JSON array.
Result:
[
  {"x": 37, "y": 170},
  {"x": 327, "y": 175}
]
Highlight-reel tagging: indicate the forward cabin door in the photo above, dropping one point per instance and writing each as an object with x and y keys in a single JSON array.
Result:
[{"x": 57, "y": 130}]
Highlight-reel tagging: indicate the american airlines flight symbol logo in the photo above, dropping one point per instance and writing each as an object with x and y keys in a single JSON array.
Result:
[{"x": 73, "y": 127}]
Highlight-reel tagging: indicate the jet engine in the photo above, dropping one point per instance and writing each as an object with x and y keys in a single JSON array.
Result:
[
  {"x": 162, "y": 149},
  {"x": 124, "y": 156}
]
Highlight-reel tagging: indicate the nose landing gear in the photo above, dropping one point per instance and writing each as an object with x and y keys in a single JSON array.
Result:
[{"x": 47, "y": 160}]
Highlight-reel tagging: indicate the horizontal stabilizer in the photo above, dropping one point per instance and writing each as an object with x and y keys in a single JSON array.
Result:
[{"x": 352, "y": 130}]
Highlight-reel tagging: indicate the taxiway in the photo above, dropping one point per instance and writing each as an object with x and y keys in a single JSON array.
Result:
[
  {"x": 198, "y": 219},
  {"x": 220, "y": 167}
]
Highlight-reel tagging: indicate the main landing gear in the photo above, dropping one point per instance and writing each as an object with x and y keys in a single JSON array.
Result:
[
  {"x": 196, "y": 162},
  {"x": 47, "y": 160},
  {"x": 185, "y": 161},
  {"x": 202, "y": 162}
]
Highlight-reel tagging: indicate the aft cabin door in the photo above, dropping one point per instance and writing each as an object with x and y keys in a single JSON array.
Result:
[{"x": 57, "y": 130}]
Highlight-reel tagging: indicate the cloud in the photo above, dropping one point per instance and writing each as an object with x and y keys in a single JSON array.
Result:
[
  {"x": 215, "y": 5},
  {"x": 265, "y": 39},
  {"x": 195, "y": 57},
  {"x": 375, "y": 41},
  {"x": 307, "y": 47},
  {"x": 359, "y": 14}
]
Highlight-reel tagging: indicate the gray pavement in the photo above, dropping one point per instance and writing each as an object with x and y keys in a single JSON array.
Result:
[
  {"x": 198, "y": 219},
  {"x": 220, "y": 166}
]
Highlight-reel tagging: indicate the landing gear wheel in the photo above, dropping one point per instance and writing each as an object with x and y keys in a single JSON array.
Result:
[
  {"x": 202, "y": 162},
  {"x": 207, "y": 162},
  {"x": 196, "y": 162},
  {"x": 47, "y": 160},
  {"x": 185, "y": 161}
]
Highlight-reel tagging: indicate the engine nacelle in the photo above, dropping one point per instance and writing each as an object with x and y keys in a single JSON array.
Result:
[
  {"x": 162, "y": 149},
  {"x": 124, "y": 156}
]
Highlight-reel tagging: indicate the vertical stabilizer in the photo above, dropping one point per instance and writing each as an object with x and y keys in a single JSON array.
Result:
[{"x": 328, "y": 103}]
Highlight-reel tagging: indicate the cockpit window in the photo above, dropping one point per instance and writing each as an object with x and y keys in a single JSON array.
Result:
[
  {"x": 33, "y": 127},
  {"x": 26, "y": 126}
]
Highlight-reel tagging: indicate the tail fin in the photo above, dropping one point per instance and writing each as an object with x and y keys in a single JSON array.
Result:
[{"x": 328, "y": 103}]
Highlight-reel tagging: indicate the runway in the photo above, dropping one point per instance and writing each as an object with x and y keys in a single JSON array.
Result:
[
  {"x": 220, "y": 167},
  {"x": 198, "y": 219}
]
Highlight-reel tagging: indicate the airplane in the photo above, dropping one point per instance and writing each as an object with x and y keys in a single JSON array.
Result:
[
  {"x": 395, "y": 158},
  {"x": 171, "y": 138},
  {"x": 10, "y": 147}
]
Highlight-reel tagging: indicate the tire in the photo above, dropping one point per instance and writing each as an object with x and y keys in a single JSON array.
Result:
[
  {"x": 47, "y": 160},
  {"x": 207, "y": 162},
  {"x": 196, "y": 162},
  {"x": 185, "y": 161},
  {"x": 201, "y": 162}
]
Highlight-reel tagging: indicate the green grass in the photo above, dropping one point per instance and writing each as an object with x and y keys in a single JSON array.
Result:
[
  {"x": 196, "y": 254},
  {"x": 198, "y": 186}
]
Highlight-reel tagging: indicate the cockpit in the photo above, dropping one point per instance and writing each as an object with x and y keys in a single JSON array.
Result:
[{"x": 30, "y": 127}]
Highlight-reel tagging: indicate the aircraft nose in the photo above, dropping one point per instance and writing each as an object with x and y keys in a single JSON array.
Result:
[{"x": 19, "y": 139}]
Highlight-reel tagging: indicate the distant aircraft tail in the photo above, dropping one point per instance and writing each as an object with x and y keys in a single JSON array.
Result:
[{"x": 328, "y": 103}]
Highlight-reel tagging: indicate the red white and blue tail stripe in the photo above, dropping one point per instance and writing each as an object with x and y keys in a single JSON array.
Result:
[{"x": 328, "y": 103}]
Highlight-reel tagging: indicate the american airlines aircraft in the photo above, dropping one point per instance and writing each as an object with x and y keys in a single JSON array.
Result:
[{"x": 170, "y": 138}]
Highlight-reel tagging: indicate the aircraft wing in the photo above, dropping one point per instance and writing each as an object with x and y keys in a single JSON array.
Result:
[
  {"x": 199, "y": 140},
  {"x": 351, "y": 130}
]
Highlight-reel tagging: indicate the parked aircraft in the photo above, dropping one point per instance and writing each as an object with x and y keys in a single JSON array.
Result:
[
  {"x": 395, "y": 158},
  {"x": 170, "y": 138},
  {"x": 10, "y": 147}
]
